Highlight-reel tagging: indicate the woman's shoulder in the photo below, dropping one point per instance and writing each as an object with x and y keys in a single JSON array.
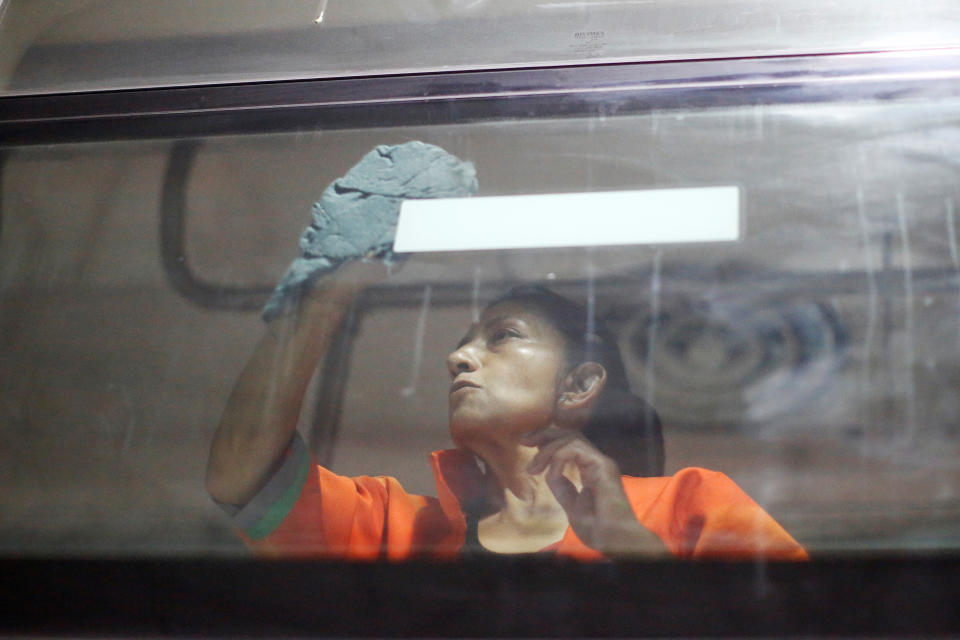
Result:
[
  {"x": 703, "y": 513},
  {"x": 684, "y": 484},
  {"x": 687, "y": 474}
]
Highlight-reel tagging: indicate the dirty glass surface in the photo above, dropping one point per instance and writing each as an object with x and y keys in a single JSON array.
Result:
[
  {"x": 80, "y": 45},
  {"x": 815, "y": 361}
]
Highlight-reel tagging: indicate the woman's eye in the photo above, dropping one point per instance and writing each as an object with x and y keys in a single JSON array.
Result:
[{"x": 502, "y": 334}]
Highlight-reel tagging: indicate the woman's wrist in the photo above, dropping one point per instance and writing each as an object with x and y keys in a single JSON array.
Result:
[{"x": 625, "y": 539}]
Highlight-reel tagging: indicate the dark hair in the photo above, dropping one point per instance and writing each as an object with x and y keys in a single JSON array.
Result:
[{"x": 622, "y": 425}]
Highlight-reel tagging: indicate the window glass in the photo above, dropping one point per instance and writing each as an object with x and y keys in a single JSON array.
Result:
[
  {"x": 55, "y": 45},
  {"x": 814, "y": 360}
]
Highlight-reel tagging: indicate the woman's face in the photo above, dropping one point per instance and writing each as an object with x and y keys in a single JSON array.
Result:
[{"x": 505, "y": 374}]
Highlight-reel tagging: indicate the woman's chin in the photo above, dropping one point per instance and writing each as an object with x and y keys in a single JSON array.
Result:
[
  {"x": 472, "y": 435},
  {"x": 482, "y": 440},
  {"x": 462, "y": 435}
]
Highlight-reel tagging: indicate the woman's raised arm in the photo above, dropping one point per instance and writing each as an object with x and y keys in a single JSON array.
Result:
[{"x": 264, "y": 406}]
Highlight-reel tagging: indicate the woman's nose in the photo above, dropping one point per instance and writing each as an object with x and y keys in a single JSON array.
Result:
[{"x": 462, "y": 359}]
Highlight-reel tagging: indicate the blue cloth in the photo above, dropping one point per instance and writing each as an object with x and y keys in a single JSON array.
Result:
[{"x": 356, "y": 216}]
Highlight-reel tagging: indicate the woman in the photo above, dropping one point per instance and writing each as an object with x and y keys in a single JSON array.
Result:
[{"x": 533, "y": 399}]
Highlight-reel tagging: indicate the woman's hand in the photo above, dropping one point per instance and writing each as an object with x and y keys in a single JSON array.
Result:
[
  {"x": 599, "y": 512},
  {"x": 337, "y": 289}
]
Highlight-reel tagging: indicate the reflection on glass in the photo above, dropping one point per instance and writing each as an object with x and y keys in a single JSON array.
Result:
[
  {"x": 661, "y": 216},
  {"x": 813, "y": 361}
]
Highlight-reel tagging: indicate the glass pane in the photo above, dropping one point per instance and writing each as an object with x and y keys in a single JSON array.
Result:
[
  {"x": 814, "y": 361},
  {"x": 55, "y": 45}
]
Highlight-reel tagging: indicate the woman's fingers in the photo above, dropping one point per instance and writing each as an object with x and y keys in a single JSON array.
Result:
[
  {"x": 542, "y": 437},
  {"x": 564, "y": 490},
  {"x": 548, "y": 449},
  {"x": 599, "y": 512},
  {"x": 594, "y": 467}
]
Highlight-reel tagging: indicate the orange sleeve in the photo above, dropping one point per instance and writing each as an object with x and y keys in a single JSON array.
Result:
[
  {"x": 704, "y": 514},
  {"x": 306, "y": 510}
]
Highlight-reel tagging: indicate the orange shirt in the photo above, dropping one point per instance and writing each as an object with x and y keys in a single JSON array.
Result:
[{"x": 306, "y": 510}]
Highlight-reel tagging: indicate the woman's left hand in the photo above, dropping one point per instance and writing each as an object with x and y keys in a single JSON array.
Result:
[{"x": 599, "y": 512}]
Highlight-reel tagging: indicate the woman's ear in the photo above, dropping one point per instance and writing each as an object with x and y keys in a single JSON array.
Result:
[{"x": 581, "y": 387}]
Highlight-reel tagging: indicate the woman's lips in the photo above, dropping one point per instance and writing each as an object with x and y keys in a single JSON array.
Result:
[{"x": 462, "y": 384}]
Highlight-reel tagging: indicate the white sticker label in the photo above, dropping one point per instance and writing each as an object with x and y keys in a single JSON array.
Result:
[{"x": 658, "y": 216}]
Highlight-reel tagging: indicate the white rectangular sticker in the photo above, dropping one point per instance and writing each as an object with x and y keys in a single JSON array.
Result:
[{"x": 658, "y": 216}]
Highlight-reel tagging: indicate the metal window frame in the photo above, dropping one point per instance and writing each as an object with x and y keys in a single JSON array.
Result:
[{"x": 464, "y": 96}]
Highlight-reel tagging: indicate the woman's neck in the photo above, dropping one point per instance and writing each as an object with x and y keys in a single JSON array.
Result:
[
  {"x": 507, "y": 465},
  {"x": 525, "y": 515}
]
